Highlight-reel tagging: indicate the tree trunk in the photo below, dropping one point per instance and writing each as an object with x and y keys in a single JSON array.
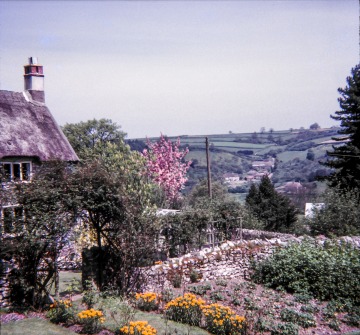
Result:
[
  {"x": 56, "y": 270},
  {"x": 100, "y": 260}
]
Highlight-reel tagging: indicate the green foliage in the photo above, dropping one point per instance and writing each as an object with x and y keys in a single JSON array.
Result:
[
  {"x": 345, "y": 158},
  {"x": 340, "y": 215},
  {"x": 118, "y": 308},
  {"x": 216, "y": 296},
  {"x": 199, "y": 289},
  {"x": 221, "y": 282},
  {"x": 309, "y": 309},
  {"x": 61, "y": 311},
  {"x": 304, "y": 320},
  {"x": 88, "y": 138},
  {"x": 302, "y": 297},
  {"x": 287, "y": 328},
  {"x": 270, "y": 207},
  {"x": 91, "y": 320},
  {"x": 185, "y": 309},
  {"x": 42, "y": 228},
  {"x": 114, "y": 200},
  {"x": 90, "y": 295},
  {"x": 249, "y": 304},
  {"x": 194, "y": 276},
  {"x": 327, "y": 272}
]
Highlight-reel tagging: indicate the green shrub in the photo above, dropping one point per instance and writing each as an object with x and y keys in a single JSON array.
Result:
[
  {"x": 91, "y": 320},
  {"x": 304, "y": 298},
  {"x": 194, "y": 276},
  {"x": 331, "y": 271},
  {"x": 302, "y": 319},
  {"x": 352, "y": 320},
  {"x": 185, "y": 309},
  {"x": 221, "y": 282},
  {"x": 61, "y": 311},
  {"x": 200, "y": 289},
  {"x": 216, "y": 296},
  {"x": 309, "y": 309},
  {"x": 334, "y": 324},
  {"x": 147, "y": 301},
  {"x": 221, "y": 320},
  {"x": 90, "y": 295},
  {"x": 167, "y": 295},
  {"x": 285, "y": 329},
  {"x": 249, "y": 304}
]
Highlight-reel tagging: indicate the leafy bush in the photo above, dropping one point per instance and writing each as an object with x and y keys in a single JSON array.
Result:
[
  {"x": 309, "y": 309},
  {"x": 194, "y": 276},
  {"x": 285, "y": 329},
  {"x": 340, "y": 215},
  {"x": 304, "y": 298},
  {"x": 221, "y": 282},
  {"x": 302, "y": 319},
  {"x": 200, "y": 289},
  {"x": 185, "y": 309},
  {"x": 138, "y": 328},
  {"x": 167, "y": 295},
  {"x": 331, "y": 271},
  {"x": 249, "y": 304},
  {"x": 91, "y": 320},
  {"x": 90, "y": 295},
  {"x": 147, "y": 301},
  {"x": 221, "y": 320},
  {"x": 216, "y": 296},
  {"x": 61, "y": 311}
]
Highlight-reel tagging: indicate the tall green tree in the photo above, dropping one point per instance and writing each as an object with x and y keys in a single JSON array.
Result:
[
  {"x": 340, "y": 215},
  {"x": 273, "y": 209},
  {"x": 345, "y": 158},
  {"x": 90, "y": 137},
  {"x": 114, "y": 199},
  {"x": 43, "y": 219}
]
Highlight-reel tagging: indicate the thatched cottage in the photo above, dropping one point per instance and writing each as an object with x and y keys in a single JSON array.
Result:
[{"x": 29, "y": 135}]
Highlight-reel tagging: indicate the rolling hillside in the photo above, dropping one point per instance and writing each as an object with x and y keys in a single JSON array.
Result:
[{"x": 297, "y": 153}]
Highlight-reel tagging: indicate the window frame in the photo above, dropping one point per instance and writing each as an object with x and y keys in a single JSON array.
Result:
[{"x": 22, "y": 171}]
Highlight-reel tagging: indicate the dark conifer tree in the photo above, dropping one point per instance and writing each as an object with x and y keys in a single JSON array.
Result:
[
  {"x": 345, "y": 158},
  {"x": 273, "y": 209}
]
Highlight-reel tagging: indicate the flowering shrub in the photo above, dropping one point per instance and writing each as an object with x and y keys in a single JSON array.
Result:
[
  {"x": 61, "y": 311},
  {"x": 166, "y": 166},
  {"x": 147, "y": 301},
  {"x": 185, "y": 309},
  {"x": 221, "y": 320},
  {"x": 92, "y": 320},
  {"x": 138, "y": 328}
]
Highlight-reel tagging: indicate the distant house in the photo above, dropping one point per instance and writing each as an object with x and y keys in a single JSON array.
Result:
[
  {"x": 291, "y": 187},
  {"x": 310, "y": 208},
  {"x": 29, "y": 135},
  {"x": 254, "y": 175},
  {"x": 231, "y": 177}
]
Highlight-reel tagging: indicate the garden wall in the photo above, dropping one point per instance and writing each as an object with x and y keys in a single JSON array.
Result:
[{"x": 229, "y": 260}]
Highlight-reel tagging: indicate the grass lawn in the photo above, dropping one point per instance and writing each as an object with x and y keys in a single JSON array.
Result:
[{"x": 33, "y": 327}]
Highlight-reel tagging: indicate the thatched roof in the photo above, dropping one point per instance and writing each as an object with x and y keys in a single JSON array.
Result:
[{"x": 28, "y": 129}]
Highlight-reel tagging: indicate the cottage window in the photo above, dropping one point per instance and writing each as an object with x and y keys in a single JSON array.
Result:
[
  {"x": 15, "y": 171},
  {"x": 11, "y": 216}
]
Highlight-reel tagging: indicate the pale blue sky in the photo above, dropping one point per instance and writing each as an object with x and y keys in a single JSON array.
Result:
[{"x": 184, "y": 67}]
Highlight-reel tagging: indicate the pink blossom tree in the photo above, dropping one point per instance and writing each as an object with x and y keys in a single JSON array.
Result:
[{"x": 166, "y": 166}]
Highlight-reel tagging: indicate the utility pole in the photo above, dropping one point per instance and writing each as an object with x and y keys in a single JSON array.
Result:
[{"x": 208, "y": 167}]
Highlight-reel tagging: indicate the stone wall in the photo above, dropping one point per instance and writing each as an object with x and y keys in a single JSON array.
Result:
[{"x": 229, "y": 260}]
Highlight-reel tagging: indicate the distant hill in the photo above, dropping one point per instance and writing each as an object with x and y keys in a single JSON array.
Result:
[{"x": 297, "y": 153}]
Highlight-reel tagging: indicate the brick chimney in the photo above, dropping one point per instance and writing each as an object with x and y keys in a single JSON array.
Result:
[{"x": 34, "y": 79}]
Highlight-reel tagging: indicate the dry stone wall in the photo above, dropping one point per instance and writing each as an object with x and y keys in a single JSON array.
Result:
[{"x": 230, "y": 260}]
